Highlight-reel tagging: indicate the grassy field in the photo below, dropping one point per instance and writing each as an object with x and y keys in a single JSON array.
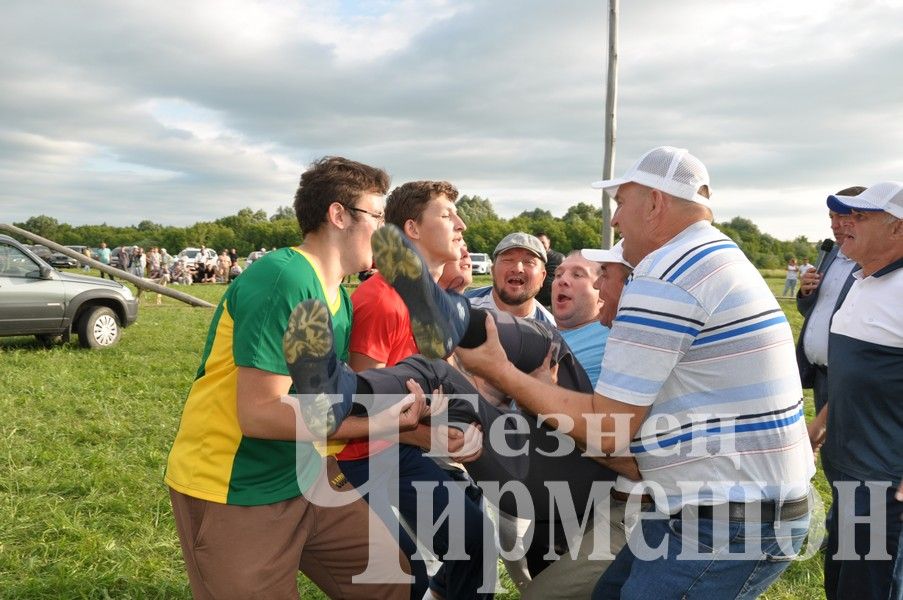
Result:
[{"x": 83, "y": 444}]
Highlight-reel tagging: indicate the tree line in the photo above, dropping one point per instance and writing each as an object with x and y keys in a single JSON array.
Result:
[{"x": 249, "y": 230}]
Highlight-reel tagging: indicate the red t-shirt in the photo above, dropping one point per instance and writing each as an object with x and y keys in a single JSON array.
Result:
[{"x": 380, "y": 329}]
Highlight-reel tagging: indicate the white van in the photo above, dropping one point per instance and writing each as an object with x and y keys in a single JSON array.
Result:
[{"x": 481, "y": 263}]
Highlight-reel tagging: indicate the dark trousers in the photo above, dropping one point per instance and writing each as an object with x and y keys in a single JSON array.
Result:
[
  {"x": 860, "y": 577},
  {"x": 463, "y": 576}
]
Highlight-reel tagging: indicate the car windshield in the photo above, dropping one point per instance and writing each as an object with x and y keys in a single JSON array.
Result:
[
  {"x": 189, "y": 253},
  {"x": 478, "y": 257}
]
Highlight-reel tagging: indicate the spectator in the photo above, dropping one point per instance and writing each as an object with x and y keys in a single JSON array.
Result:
[
  {"x": 139, "y": 262},
  {"x": 233, "y": 256},
  {"x": 575, "y": 305},
  {"x": 587, "y": 288},
  {"x": 821, "y": 294},
  {"x": 793, "y": 273},
  {"x": 554, "y": 258},
  {"x": 153, "y": 263},
  {"x": 806, "y": 267},
  {"x": 223, "y": 267},
  {"x": 125, "y": 258},
  {"x": 207, "y": 272},
  {"x": 864, "y": 412},
  {"x": 166, "y": 261},
  {"x": 234, "y": 271},
  {"x": 518, "y": 270},
  {"x": 181, "y": 274},
  {"x": 457, "y": 274},
  {"x": 104, "y": 255}
]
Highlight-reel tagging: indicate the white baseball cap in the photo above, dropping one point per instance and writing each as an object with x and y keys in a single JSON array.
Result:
[
  {"x": 613, "y": 255},
  {"x": 886, "y": 196},
  {"x": 671, "y": 170}
]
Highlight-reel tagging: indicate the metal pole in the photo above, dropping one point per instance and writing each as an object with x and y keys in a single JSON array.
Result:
[
  {"x": 611, "y": 97},
  {"x": 139, "y": 282}
]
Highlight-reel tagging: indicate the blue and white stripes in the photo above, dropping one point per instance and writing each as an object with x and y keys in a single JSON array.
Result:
[{"x": 700, "y": 339}]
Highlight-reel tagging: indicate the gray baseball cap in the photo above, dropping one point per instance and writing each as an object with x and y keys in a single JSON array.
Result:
[{"x": 519, "y": 239}]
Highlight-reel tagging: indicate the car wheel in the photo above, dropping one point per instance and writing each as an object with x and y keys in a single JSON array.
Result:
[{"x": 99, "y": 328}]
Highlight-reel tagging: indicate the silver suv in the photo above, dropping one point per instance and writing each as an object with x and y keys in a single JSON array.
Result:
[{"x": 36, "y": 299}]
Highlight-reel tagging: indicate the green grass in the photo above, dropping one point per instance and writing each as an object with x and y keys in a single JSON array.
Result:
[{"x": 83, "y": 444}]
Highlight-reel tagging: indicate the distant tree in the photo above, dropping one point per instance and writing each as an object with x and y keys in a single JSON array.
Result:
[
  {"x": 581, "y": 234},
  {"x": 584, "y": 212},
  {"x": 283, "y": 212},
  {"x": 148, "y": 226},
  {"x": 537, "y": 214},
  {"x": 484, "y": 235},
  {"x": 41, "y": 225},
  {"x": 474, "y": 209}
]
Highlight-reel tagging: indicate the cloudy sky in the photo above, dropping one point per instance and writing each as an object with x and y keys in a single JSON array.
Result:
[{"x": 121, "y": 110}]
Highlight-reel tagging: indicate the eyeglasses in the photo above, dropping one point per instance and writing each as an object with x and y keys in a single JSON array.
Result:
[{"x": 379, "y": 216}]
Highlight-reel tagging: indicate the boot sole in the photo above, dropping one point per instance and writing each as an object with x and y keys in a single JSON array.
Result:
[{"x": 403, "y": 269}]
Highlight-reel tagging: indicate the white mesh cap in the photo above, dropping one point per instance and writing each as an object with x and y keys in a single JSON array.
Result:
[
  {"x": 613, "y": 255},
  {"x": 886, "y": 196},
  {"x": 672, "y": 170}
]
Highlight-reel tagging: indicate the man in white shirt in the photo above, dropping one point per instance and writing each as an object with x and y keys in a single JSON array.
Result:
[
  {"x": 821, "y": 293},
  {"x": 698, "y": 333},
  {"x": 864, "y": 411}
]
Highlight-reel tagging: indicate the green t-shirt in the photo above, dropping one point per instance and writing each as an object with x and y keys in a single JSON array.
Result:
[{"x": 210, "y": 458}]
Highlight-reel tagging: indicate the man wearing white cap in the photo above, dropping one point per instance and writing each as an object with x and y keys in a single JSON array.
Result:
[
  {"x": 865, "y": 408},
  {"x": 585, "y": 294},
  {"x": 699, "y": 381}
]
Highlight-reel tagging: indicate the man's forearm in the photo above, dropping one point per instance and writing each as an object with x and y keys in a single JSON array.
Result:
[
  {"x": 595, "y": 422},
  {"x": 623, "y": 465},
  {"x": 421, "y": 437}
]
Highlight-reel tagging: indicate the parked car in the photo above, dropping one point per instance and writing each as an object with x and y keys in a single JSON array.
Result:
[
  {"x": 64, "y": 261},
  {"x": 191, "y": 255},
  {"x": 480, "y": 263},
  {"x": 42, "y": 251},
  {"x": 36, "y": 299},
  {"x": 256, "y": 255}
]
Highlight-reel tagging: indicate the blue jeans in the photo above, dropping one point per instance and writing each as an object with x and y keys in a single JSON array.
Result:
[
  {"x": 763, "y": 551},
  {"x": 858, "y": 577},
  {"x": 462, "y": 577}
]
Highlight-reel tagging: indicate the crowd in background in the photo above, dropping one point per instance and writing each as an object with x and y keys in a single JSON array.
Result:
[{"x": 160, "y": 266}]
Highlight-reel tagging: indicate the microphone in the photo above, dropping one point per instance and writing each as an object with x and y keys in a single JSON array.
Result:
[{"x": 823, "y": 251}]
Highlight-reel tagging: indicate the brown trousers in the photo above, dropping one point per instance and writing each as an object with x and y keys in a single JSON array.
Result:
[{"x": 256, "y": 551}]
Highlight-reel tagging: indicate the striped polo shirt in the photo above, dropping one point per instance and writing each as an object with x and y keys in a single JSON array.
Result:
[{"x": 701, "y": 340}]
